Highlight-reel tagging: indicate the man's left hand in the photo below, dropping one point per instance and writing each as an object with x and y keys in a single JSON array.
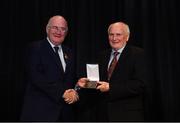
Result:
[{"x": 103, "y": 86}]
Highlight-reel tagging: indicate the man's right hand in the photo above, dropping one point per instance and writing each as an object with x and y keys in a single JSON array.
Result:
[
  {"x": 82, "y": 82},
  {"x": 70, "y": 96}
]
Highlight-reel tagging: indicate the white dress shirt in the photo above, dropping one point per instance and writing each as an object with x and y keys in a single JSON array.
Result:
[{"x": 60, "y": 52}]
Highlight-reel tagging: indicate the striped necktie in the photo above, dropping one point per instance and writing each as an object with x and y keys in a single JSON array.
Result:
[{"x": 112, "y": 65}]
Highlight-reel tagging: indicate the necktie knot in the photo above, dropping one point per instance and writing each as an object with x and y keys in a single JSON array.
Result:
[
  {"x": 56, "y": 48},
  {"x": 58, "y": 58},
  {"x": 115, "y": 53}
]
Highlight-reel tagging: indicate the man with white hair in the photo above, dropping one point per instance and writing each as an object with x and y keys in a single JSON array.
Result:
[
  {"x": 50, "y": 76},
  {"x": 120, "y": 91}
]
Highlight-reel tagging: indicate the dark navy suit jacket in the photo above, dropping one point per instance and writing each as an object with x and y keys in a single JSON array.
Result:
[{"x": 46, "y": 84}]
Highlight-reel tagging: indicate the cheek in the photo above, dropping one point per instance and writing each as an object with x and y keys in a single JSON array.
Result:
[
  {"x": 113, "y": 45},
  {"x": 110, "y": 42}
]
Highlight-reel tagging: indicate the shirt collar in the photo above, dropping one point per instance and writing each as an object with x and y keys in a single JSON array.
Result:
[
  {"x": 119, "y": 50},
  {"x": 52, "y": 45}
]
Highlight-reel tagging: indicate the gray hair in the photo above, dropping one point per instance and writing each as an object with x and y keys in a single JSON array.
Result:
[{"x": 127, "y": 30}]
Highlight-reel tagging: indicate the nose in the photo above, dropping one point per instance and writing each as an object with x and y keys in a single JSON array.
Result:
[
  {"x": 114, "y": 37},
  {"x": 59, "y": 31}
]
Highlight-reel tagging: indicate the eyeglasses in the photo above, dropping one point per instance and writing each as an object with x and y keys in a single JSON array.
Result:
[{"x": 56, "y": 28}]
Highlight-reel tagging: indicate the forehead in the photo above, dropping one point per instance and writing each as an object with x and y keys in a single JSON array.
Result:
[
  {"x": 117, "y": 28},
  {"x": 58, "y": 21}
]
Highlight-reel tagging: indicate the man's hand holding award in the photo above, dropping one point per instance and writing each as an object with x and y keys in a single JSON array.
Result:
[
  {"x": 92, "y": 77},
  {"x": 92, "y": 80}
]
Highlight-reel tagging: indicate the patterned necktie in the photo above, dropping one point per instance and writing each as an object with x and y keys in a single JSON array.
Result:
[{"x": 112, "y": 65}]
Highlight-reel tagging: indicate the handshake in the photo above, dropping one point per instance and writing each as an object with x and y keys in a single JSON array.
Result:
[{"x": 71, "y": 96}]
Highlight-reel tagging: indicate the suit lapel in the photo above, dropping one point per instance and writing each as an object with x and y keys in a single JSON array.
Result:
[
  {"x": 50, "y": 52},
  {"x": 104, "y": 63},
  {"x": 66, "y": 57},
  {"x": 121, "y": 61}
]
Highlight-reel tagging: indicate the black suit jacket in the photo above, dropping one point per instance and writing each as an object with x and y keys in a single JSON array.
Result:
[
  {"x": 46, "y": 84},
  {"x": 124, "y": 101}
]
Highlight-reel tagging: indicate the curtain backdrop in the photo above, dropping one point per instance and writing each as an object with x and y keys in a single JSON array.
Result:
[{"x": 154, "y": 26}]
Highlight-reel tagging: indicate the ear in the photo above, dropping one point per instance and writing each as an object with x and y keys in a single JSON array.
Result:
[
  {"x": 47, "y": 29},
  {"x": 127, "y": 38}
]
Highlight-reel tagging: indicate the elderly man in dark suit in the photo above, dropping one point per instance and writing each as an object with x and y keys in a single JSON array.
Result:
[
  {"x": 50, "y": 72},
  {"x": 120, "y": 91}
]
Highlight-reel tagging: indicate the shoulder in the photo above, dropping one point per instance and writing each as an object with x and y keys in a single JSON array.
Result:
[
  {"x": 135, "y": 50},
  {"x": 37, "y": 46},
  {"x": 68, "y": 52},
  {"x": 66, "y": 48}
]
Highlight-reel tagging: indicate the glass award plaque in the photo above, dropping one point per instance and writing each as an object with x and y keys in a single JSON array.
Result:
[{"x": 92, "y": 75}]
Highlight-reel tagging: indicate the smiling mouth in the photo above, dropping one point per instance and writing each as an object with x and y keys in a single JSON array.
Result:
[
  {"x": 58, "y": 36},
  {"x": 115, "y": 42}
]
